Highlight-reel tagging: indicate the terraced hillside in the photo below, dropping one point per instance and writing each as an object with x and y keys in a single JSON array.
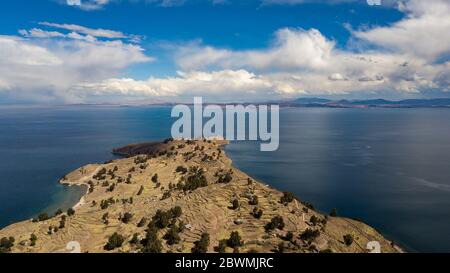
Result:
[{"x": 165, "y": 197}]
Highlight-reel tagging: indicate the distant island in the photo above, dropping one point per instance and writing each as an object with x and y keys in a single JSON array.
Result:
[
  {"x": 373, "y": 103},
  {"x": 185, "y": 197}
]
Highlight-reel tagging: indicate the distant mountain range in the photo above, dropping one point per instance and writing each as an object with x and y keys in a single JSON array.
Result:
[{"x": 381, "y": 103}]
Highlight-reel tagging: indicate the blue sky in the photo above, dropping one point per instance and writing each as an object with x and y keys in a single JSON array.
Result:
[{"x": 57, "y": 51}]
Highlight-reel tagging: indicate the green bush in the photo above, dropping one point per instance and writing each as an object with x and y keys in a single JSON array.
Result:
[
  {"x": 348, "y": 239},
  {"x": 277, "y": 222},
  {"x": 172, "y": 236},
  {"x": 70, "y": 212},
  {"x": 309, "y": 234},
  {"x": 235, "y": 240},
  {"x": 257, "y": 213},
  {"x": 287, "y": 198},
  {"x": 254, "y": 200},
  {"x": 126, "y": 218},
  {"x": 235, "y": 204},
  {"x": 115, "y": 241},
  {"x": 201, "y": 246},
  {"x": 333, "y": 212}
]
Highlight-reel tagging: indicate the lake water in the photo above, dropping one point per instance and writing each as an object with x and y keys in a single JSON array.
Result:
[{"x": 388, "y": 167}]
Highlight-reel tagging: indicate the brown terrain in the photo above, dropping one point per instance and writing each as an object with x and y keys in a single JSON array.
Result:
[{"x": 197, "y": 177}]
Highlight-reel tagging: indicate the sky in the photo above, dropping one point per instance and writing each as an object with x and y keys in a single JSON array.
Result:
[{"x": 147, "y": 51}]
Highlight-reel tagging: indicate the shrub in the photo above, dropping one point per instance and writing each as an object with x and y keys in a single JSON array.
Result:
[
  {"x": 62, "y": 223},
  {"x": 142, "y": 222},
  {"x": 33, "y": 239},
  {"x": 43, "y": 217},
  {"x": 161, "y": 219},
  {"x": 314, "y": 220},
  {"x": 181, "y": 169},
  {"x": 155, "y": 178},
  {"x": 235, "y": 240},
  {"x": 112, "y": 187},
  {"x": 287, "y": 198},
  {"x": 70, "y": 212},
  {"x": 257, "y": 213},
  {"x": 58, "y": 212},
  {"x": 172, "y": 236},
  {"x": 235, "y": 204},
  {"x": 201, "y": 246},
  {"x": 195, "y": 180},
  {"x": 151, "y": 243},
  {"x": 141, "y": 190},
  {"x": 254, "y": 200},
  {"x": 348, "y": 239},
  {"x": 6, "y": 244},
  {"x": 276, "y": 222},
  {"x": 126, "y": 218},
  {"x": 309, "y": 234},
  {"x": 333, "y": 212},
  {"x": 135, "y": 239},
  {"x": 225, "y": 178},
  {"x": 289, "y": 236},
  {"x": 176, "y": 212},
  {"x": 115, "y": 241},
  {"x": 221, "y": 248}
]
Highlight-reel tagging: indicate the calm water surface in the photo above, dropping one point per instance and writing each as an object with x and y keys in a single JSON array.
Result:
[{"x": 389, "y": 167}]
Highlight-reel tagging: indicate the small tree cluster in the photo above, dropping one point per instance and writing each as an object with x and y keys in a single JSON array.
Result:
[
  {"x": 253, "y": 200},
  {"x": 287, "y": 198},
  {"x": 115, "y": 241},
  {"x": 235, "y": 240},
  {"x": 70, "y": 212},
  {"x": 6, "y": 244},
  {"x": 234, "y": 204},
  {"x": 201, "y": 246},
  {"x": 309, "y": 235},
  {"x": 348, "y": 239},
  {"x": 257, "y": 213},
  {"x": 277, "y": 222},
  {"x": 126, "y": 218}
]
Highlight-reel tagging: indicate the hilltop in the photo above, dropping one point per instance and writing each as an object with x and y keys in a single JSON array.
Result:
[{"x": 183, "y": 196}]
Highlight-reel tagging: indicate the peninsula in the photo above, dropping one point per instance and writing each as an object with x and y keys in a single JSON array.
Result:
[{"x": 185, "y": 196}]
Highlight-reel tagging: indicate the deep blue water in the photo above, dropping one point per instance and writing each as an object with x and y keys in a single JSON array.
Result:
[{"x": 389, "y": 167}]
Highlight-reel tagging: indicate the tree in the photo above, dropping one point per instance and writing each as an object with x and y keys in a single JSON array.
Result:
[
  {"x": 141, "y": 190},
  {"x": 151, "y": 243},
  {"x": 309, "y": 235},
  {"x": 235, "y": 240},
  {"x": 172, "y": 236},
  {"x": 70, "y": 212},
  {"x": 348, "y": 239},
  {"x": 254, "y": 200},
  {"x": 155, "y": 178},
  {"x": 333, "y": 212},
  {"x": 43, "y": 217},
  {"x": 287, "y": 198},
  {"x": 161, "y": 219},
  {"x": 276, "y": 222},
  {"x": 33, "y": 239},
  {"x": 257, "y": 213},
  {"x": 135, "y": 239},
  {"x": 58, "y": 212},
  {"x": 142, "y": 222},
  {"x": 201, "y": 246},
  {"x": 115, "y": 241},
  {"x": 62, "y": 223},
  {"x": 222, "y": 247},
  {"x": 176, "y": 212},
  {"x": 314, "y": 220},
  {"x": 6, "y": 244},
  {"x": 235, "y": 204},
  {"x": 126, "y": 218}
]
